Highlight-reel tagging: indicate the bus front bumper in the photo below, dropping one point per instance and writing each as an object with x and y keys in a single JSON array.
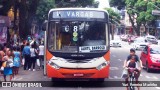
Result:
[{"x": 65, "y": 73}]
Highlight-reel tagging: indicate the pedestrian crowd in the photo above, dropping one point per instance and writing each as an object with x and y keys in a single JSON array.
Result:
[{"x": 26, "y": 54}]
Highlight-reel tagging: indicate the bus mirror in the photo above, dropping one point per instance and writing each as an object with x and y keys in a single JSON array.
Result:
[{"x": 44, "y": 25}]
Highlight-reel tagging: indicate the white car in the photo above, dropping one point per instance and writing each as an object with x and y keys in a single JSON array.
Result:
[
  {"x": 116, "y": 42},
  {"x": 151, "y": 39},
  {"x": 139, "y": 43}
]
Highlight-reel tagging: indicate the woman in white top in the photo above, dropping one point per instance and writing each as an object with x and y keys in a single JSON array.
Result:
[
  {"x": 33, "y": 57},
  {"x": 41, "y": 54}
]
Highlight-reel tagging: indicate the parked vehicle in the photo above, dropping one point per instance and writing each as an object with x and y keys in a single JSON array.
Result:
[
  {"x": 139, "y": 43},
  {"x": 151, "y": 39},
  {"x": 150, "y": 57},
  {"x": 116, "y": 42}
]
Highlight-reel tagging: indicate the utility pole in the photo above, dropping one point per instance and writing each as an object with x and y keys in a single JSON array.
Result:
[{"x": 112, "y": 31}]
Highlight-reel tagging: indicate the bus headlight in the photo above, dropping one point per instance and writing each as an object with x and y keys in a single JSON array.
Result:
[
  {"x": 54, "y": 65},
  {"x": 102, "y": 65}
]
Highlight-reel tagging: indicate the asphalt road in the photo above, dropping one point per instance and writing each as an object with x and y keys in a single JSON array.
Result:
[{"x": 118, "y": 55}]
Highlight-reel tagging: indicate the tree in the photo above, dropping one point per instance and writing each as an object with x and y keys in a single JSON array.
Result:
[
  {"x": 27, "y": 11},
  {"x": 115, "y": 16},
  {"x": 114, "y": 19},
  {"x": 143, "y": 11},
  {"x": 43, "y": 8},
  {"x": 74, "y": 3},
  {"x": 139, "y": 11},
  {"x": 133, "y": 14},
  {"x": 120, "y": 4},
  {"x": 6, "y": 5}
]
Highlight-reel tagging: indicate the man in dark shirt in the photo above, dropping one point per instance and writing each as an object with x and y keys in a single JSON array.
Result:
[
  {"x": 133, "y": 64},
  {"x": 132, "y": 53}
]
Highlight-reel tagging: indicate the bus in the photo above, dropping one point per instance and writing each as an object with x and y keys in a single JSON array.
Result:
[{"x": 77, "y": 44}]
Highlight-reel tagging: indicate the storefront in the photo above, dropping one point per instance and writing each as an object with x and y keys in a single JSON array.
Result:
[{"x": 4, "y": 24}]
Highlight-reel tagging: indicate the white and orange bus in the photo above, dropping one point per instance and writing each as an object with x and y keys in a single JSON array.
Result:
[{"x": 77, "y": 44}]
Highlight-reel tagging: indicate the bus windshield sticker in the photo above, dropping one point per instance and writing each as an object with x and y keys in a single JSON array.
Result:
[
  {"x": 92, "y": 48},
  {"x": 75, "y": 34},
  {"x": 75, "y": 39}
]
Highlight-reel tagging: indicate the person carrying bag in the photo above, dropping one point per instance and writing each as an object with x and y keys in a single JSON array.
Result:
[
  {"x": 9, "y": 63},
  {"x": 124, "y": 73},
  {"x": 37, "y": 57},
  {"x": 8, "y": 59}
]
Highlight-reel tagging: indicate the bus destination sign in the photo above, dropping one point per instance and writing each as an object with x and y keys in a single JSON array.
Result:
[{"x": 78, "y": 14}]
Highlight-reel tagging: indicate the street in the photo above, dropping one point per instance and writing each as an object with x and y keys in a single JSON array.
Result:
[
  {"x": 77, "y": 38},
  {"x": 118, "y": 55}
]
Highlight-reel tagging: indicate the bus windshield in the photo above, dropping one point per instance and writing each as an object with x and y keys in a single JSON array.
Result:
[{"x": 77, "y": 36}]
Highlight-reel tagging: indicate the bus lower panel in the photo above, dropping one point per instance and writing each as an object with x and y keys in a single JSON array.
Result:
[{"x": 77, "y": 73}]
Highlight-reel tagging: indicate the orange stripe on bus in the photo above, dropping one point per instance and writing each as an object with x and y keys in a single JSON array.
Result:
[
  {"x": 48, "y": 55},
  {"x": 107, "y": 55}
]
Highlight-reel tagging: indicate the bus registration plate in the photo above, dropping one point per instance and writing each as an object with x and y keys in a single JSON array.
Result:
[{"x": 78, "y": 75}]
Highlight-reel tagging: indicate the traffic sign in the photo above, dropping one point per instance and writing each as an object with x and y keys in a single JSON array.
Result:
[{"x": 155, "y": 12}]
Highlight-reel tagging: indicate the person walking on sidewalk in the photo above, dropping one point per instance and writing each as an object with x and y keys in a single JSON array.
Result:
[
  {"x": 41, "y": 54},
  {"x": 16, "y": 60},
  {"x": 9, "y": 63},
  {"x": 26, "y": 53},
  {"x": 33, "y": 57},
  {"x": 2, "y": 54}
]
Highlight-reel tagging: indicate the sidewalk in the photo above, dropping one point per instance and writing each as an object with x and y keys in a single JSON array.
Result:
[{"x": 25, "y": 75}]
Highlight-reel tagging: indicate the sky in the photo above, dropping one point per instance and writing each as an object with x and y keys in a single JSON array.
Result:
[{"x": 103, "y": 3}]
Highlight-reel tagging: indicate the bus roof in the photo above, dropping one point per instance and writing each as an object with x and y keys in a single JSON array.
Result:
[{"x": 83, "y": 9}]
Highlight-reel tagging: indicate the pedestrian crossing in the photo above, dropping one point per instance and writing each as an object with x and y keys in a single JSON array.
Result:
[
  {"x": 157, "y": 88},
  {"x": 142, "y": 76}
]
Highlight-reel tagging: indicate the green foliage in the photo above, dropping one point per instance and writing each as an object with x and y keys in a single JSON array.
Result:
[
  {"x": 141, "y": 17},
  {"x": 141, "y": 5},
  {"x": 77, "y": 3},
  {"x": 130, "y": 3},
  {"x": 84, "y": 3},
  {"x": 43, "y": 9},
  {"x": 115, "y": 16},
  {"x": 117, "y": 3},
  {"x": 141, "y": 10}
]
